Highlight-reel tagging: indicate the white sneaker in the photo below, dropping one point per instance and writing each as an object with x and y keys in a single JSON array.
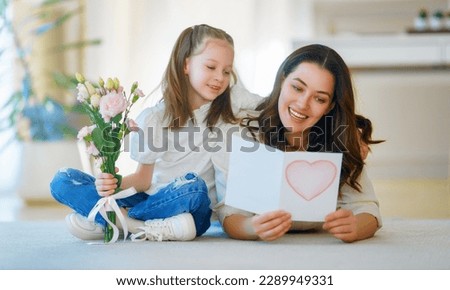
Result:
[
  {"x": 80, "y": 227},
  {"x": 177, "y": 228}
]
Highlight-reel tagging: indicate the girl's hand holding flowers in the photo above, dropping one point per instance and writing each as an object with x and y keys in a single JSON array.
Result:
[
  {"x": 106, "y": 184},
  {"x": 108, "y": 107}
]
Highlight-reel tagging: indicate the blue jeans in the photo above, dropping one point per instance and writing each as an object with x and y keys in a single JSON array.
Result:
[{"x": 188, "y": 193}]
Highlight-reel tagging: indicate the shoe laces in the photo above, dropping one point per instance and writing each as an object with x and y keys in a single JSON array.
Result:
[{"x": 155, "y": 230}]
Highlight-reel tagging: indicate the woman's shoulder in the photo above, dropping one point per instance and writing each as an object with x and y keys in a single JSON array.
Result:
[{"x": 366, "y": 186}]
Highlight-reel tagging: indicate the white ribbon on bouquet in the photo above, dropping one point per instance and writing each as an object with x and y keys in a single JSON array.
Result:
[{"x": 109, "y": 203}]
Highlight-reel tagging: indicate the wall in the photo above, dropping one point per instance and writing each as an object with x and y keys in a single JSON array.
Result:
[
  {"x": 138, "y": 37},
  {"x": 336, "y": 17},
  {"x": 409, "y": 105},
  {"x": 409, "y": 108}
]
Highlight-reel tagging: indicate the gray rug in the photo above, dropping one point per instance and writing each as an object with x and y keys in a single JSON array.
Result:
[{"x": 400, "y": 244}]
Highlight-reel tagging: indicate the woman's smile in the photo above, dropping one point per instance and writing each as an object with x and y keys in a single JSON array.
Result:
[{"x": 297, "y": 115}]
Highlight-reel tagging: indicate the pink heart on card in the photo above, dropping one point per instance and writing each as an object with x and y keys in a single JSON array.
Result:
[{"x": 309, "y": 180}]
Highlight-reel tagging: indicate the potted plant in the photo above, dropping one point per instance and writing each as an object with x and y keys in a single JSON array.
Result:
[
  {"x": 42, "y": 111},
  {"x": 421, "y": 20},
  {"x": 447, "y": 20},
  {"x": 436, "y": 20}
]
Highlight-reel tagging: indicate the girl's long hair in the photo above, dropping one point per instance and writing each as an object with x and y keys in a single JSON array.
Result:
[
  {"x": 175, "y": 83},
  {"x": 337, "y": 131}
]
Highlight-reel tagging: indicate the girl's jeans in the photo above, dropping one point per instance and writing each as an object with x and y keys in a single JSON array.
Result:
[{"x": 188, "y": 193}]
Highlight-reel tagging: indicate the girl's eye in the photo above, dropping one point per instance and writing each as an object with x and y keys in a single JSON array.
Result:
[
  {"x": 227, "y": 72},
  {"x": 210, "y": 67}
]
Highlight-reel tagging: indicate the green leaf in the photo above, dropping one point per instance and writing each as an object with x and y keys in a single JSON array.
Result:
[
  {"x": 3, "y": 6},
  {"x": 117, "y": 118},
  {"x": 111, "y": 144},
  {"x": 94, "y": 115},
  {"x": 68, "y": 131},
  {"x": 44, "y": 16},
  {"x": 52, "y": 2},
  {"x": 76, "y": 45},
  {"x": 97, "y": 138},
  {"x": 64, "y": 81},
  {"x": 59, "y": 21},
  {"x": 13, "y": 101}
]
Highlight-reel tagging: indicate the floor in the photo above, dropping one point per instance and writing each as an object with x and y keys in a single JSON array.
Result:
[
  {"x": 13, "y": 209},
  {"x": 424, "y": 198},
  {"x": 429, "y": 199}
]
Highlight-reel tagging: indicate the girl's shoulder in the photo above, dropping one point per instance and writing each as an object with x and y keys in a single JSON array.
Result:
[
  {"x": 152, "y": 115},
  {"x": 242, "y": 98}
]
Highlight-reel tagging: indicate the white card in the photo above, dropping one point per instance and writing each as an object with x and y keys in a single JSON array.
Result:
[{"x": 262, "y": 179}]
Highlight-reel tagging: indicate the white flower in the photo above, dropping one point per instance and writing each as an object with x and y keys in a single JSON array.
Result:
[
  {"x": 83, "y": 94},
  {"x": 90, "y": 88},
  {"x": 95, "y": 100}
]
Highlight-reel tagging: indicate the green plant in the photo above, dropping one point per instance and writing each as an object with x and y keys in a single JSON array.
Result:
[
  {"x": 44, "y": 106},
  {"x": 423, "y": 13},
  {"x": 438, "y": 14}
]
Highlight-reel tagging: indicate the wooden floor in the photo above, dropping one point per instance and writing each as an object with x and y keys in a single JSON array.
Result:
[
  {"x": 424, "y": 199},
  {"x": 427, "y": 198}
]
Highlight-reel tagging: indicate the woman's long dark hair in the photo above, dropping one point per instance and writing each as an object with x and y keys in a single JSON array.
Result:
[{"x": 337, "y": 131}]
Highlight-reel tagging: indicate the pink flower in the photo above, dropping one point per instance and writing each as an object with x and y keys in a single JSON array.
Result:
[
  {"x": 92, "y": 150},
  {"x": 111, "y": 105},
  {"x": 132, "y": 125},
  {"x": 85, "y": 131},
  {"x": 139, "y": 93}
]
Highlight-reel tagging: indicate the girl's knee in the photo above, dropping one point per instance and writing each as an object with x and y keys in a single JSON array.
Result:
[
  {"x": 68, "y": 179},
  {"x": 192, "y": 181},
  {"x": 72, "y": 176}
]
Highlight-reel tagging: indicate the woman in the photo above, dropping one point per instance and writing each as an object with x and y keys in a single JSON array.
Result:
[{"x": 311, "y": 108}]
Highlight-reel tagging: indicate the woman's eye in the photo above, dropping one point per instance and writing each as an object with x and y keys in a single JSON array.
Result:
[
  {"x": 210, "y": 67},
  {"x": 320, "y": 100},
  {"x": 298, "y": 89},
  {"x": 227, "y": 72}
]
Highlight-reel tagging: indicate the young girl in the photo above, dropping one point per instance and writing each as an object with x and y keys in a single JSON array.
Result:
[
  {"x": 312, "y": 85},
  {"x": 174, "y": 177}
]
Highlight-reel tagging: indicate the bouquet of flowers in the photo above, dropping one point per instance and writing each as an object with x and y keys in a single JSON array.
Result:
[{"x": 108, "y": 107}]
